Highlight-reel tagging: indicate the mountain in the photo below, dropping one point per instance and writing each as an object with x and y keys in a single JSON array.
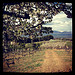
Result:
[
  {"x": 67, "y": 32},
  {"x": 64, "y": 32},
  {"x": 56, "y": 32}
]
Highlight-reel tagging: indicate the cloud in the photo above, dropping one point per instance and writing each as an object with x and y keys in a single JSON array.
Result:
[
  {"x": 60, "y": 22},
  {"x": 69, "y": 4}
]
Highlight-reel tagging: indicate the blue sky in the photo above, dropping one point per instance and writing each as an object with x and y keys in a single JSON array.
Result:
[{"x": 60, "y": 22}]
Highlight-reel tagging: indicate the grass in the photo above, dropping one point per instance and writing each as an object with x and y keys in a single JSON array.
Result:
[
  {"x": 37, "y": 65},
  {"x": 28, "y": 62},
  {"x": 65, "y": 53},
  {"x": 33, "y": 66},
  {"x": 29, "y": 67},
  {"x": 69, "y": 44},
  {"x": 41, "y": 60},
  {"x": 67, "y": 57},
  {"x": 55, "y": 40},
  {"x": 61, "y": 53},
  {"x": 68, "y": 60}
]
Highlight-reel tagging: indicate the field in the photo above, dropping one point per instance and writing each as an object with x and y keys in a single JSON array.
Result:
[{"x": 52, "y": 56}]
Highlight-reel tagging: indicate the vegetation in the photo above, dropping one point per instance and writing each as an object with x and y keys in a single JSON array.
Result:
[
  {"x": 67, "y": 56},
  {"x": 69, "y": 44},
  {"x": 28, "y": 62},
  {"x": 20, "y": 19},
  {"x": 34, "y": 60},
  {"x": 26, "y": 18}
]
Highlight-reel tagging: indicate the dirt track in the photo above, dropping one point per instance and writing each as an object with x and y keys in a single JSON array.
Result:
[{"x": 54, "y": 63}]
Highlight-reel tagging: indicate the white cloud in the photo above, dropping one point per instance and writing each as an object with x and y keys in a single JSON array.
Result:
[
  {"x": 69, "y": 4},
  {"x": 60, "y": 22},
  {"x": 59, "y": 16}
]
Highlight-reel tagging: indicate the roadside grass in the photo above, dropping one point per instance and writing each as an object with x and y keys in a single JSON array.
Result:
[
  {"x": 61, "y": 53},
  {"x": 28, "y": 63},
  {"x": 67, "y": 57},
  {"x": 37, "y": 65},
  {"x": 69, "y": 44},
  {"x": 52, "y": 40},
  {"x": 31, "y": 61},
  {"x": 36, "y": 61},
  {"x": 53, "y": 44},
  {"x": 32, "y": 67}
]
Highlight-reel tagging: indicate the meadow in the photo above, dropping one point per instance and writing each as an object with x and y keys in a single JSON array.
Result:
[{"x": 44, "y": 58}]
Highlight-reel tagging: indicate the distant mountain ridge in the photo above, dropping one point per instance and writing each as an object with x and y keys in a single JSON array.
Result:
[{"x": 64, "y": 32}]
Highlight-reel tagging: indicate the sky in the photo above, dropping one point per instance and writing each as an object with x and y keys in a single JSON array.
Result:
[{"x": 60, "y": 22}]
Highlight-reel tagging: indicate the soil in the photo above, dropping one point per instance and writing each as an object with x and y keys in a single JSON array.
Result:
[{"x": 54, "y": 63}]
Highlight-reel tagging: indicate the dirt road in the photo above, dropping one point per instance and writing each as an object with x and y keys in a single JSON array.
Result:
[{"x": 54, "y": 63}]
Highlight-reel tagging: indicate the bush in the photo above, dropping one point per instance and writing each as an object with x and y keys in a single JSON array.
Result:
[
  {"x": 69, "y": 44},
  {"x": 37, "y": 45}
]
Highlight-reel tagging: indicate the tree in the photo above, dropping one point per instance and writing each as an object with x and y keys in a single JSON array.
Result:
[{"x": 27, "y": 18}]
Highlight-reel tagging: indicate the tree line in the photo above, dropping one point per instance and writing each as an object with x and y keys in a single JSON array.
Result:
[{"x": 37, "y": 39}]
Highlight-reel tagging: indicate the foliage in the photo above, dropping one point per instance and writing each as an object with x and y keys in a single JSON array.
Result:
[
  {"x": 37, "y": 45},
  {"x": 17, "y": 22},
  {"x": 69, "y": 44}
]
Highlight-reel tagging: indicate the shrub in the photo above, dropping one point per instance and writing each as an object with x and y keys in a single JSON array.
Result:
[
  {"x": 37, "y": 45},
  {"x": 69, "y": 44}
]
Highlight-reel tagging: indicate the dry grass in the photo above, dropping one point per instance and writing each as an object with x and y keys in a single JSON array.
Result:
[
  {"x": 46, "y": 60},
  {"x": 24, "y": 63}
]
